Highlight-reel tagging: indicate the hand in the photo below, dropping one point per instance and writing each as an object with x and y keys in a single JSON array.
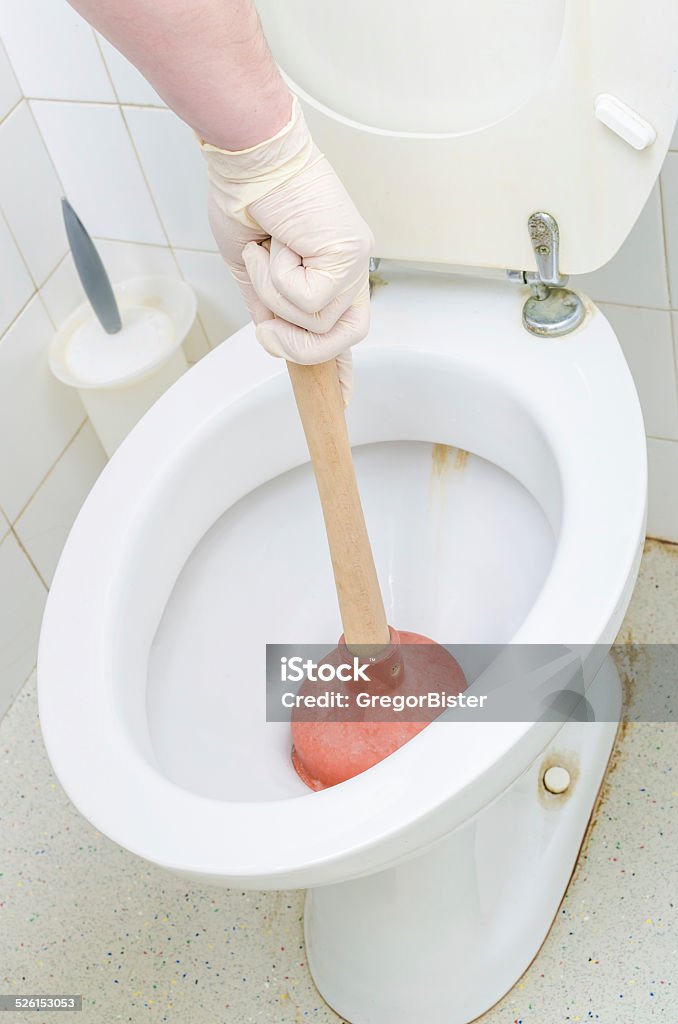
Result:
[{"x": 296, "y": 245}]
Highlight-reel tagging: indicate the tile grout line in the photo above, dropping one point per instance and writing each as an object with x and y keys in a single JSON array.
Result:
[
  {"x": 95, "y": 103},
  {"x": 46, "y": 281},
  {"x": 117, "y": 104},
  {"x": 18, "y": 693},
  {"x": 143, "y": 174},
  {"x": 665, "y": 242},
  {"x": 34, "y": 295},
  {"x": 18, "y": 248},
  {"x": 97, "y": 43},
  {"x": 157, "y": 245},
  {"x": 674, "y": 342},
  {"x": 25, "y": 551},
  {"x": 118, "y": 98},
  {"x": 672, "y": 318},
  {"x": 47, "y": 149},
  {"x": 198, "y": 316},
  {"x": 48, "y": 473},
  {"x": 22, "y": 94},
  {"x": 12, "y": 109},
  {"x": 37, "y": 284}
]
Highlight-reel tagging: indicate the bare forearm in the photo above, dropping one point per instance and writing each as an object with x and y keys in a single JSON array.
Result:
[{"x": 207, "y": 59}]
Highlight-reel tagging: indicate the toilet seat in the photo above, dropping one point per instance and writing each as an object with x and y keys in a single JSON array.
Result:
[
  {"x": 458, "y": 348},
  {"x": 450, "y": 124}
]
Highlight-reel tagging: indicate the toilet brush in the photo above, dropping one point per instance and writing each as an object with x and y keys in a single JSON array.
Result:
[
  {"x": 91, "y": 271},
  {"x": 331, "y": 745}
]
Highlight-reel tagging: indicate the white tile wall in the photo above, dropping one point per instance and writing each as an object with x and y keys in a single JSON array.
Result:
[
  {"x": 4, "y": 525},
  {"x": 16, "y": 286},
  {"x": 43, "y": 526},
  {"x": 636, "y": 276},
  {"x": 53, "y": 51},
  {"x": 10, "y": 91},
  {"x": 669, "y": 186},
  {"x": 221, "y": 306},
  {"x": 663, "y": 489},
  {"x": 93, "y": 154},
  {"x": 129, "y": 84},
  {"x": 38, "y": 415},
  {"x": 176, "y": 172},
  {"x": 22, "y": 599},
  {"x": 30, "y": 193},
  {"x": 646, "y": 337}
]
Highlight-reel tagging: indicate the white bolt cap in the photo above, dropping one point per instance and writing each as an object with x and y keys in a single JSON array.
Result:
[{"x": 556, "y": 779}]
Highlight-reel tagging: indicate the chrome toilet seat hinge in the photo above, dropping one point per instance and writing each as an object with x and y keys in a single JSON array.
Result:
[{"x": 552, "y": 310}]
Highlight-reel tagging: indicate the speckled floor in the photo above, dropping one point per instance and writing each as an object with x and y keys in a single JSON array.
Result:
[{"x": 80, "y": 915}]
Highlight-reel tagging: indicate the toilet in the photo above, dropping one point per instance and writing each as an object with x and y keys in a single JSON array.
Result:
[{"x": 500, "y": 451}]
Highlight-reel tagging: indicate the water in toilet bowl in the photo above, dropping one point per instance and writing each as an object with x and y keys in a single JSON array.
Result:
[{"x": 461, "y": 549}]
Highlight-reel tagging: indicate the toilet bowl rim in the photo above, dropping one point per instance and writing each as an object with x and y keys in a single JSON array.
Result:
[{"x": 384, "y": 786}]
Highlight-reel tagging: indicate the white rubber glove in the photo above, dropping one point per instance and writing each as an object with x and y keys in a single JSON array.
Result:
[{"x": 296, "y": 245}]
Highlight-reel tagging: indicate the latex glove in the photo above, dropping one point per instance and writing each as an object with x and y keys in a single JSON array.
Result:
[{"x": 296, "y": 245}]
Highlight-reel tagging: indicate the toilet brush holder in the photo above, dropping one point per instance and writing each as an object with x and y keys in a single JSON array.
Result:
[{"x": 119, "y": 376}]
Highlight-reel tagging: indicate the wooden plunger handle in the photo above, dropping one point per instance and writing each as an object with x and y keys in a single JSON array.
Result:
[{"x": 321, "y": 408}]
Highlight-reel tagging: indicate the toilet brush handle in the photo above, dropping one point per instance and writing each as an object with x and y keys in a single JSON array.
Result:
[{"x": 321, "y": 408}]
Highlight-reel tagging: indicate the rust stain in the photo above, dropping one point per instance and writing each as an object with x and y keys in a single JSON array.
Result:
[
  {"x": 460, "y": 458},
  {"x": 628, "y": 656},
  {"x": 665, "y": 546},
  {"x": 439, "y": 456},
  {"x": 444, "y": 458},
  {"x": 440, "y": 459},
  {"x": 377, "y": 282},
  {"x": 616, "y": 758},
  {"x": 557, "y": 759}
]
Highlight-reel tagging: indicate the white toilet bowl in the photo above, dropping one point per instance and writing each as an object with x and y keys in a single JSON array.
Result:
[{"x": 202, "y": 541}]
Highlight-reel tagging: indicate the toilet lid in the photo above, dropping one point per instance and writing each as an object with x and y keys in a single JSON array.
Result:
[{"x": 451, "y": 122}]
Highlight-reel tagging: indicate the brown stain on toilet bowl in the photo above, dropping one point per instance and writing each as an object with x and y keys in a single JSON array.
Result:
[
  {"x": 446, "y": 462},
  {"x": 441, "y": 460},
  {"x": 557, "y": 759},
  {"x": 445, "y": 459},
  {"x": 460, "y": 458}
]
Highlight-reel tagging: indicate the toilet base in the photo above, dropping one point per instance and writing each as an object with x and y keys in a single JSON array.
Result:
[{"x": 443, "y": 936}]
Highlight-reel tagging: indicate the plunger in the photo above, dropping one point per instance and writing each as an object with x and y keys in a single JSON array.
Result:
[{"x": 331, "y": 745}]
